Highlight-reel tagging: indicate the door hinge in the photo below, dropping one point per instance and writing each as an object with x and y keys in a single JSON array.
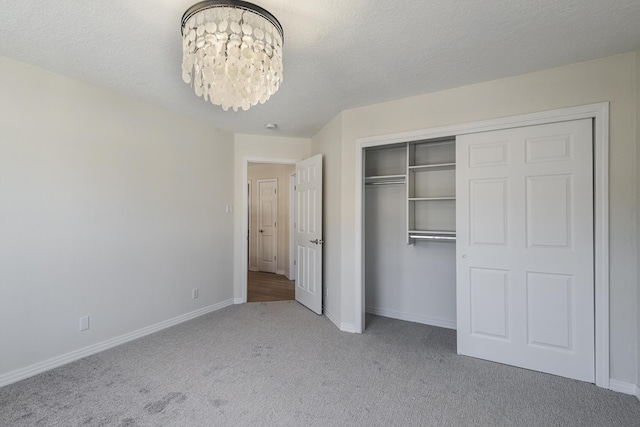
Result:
[
  {"x": 274, "y": 257},
  {"x": 275, "y": 224},
  {"x": 275, "y": 191},
  {"x": 295, "y": 262}
]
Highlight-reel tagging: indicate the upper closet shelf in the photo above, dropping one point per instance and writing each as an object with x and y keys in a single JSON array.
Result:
[
  {"x": 435, "y": 166},
  {"x": 385, "y": 179},
  {"x": 427, "y": 199}
]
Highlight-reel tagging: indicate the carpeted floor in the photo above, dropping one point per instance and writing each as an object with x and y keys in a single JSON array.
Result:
[{"x": 278, "y": 364}]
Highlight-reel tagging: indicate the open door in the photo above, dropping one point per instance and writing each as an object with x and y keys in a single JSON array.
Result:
[{"x": 308, "y": 233}]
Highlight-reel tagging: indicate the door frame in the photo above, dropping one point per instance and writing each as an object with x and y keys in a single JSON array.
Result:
[
  {"x": 292, "y": 229},
  {"x": 248, "y": 224},
  {"x": 245, "y": 214},
  {"x": 600, "y": 114},
  {"x": 276, "y": 236}
]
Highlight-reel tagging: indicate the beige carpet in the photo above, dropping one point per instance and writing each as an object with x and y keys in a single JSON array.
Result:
[{"x": 278, "y": 364}]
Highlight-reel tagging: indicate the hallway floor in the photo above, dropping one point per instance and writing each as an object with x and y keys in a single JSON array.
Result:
[{"x": 269, "y": 287}]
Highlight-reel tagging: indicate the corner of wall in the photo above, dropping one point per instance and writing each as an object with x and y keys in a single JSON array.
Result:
[
  {"x": 637, "y": 89},
  {"x": 328, "y": 142}
]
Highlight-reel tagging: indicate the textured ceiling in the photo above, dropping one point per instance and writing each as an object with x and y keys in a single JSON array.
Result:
[{"x": 338, "y": 54}]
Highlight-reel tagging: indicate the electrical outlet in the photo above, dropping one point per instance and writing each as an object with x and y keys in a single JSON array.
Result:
[
  {"x": 84, "y": 323},
  {"x": 194, "y": 293}
]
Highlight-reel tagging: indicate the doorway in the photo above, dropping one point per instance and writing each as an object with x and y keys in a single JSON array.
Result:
[{"x": 269, "y": 249}]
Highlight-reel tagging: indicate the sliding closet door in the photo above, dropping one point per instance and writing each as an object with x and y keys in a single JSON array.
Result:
[{"x": 524, "y": 217}]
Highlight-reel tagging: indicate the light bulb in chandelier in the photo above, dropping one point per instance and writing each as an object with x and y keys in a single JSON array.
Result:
[{"x": 232, "y": 53}]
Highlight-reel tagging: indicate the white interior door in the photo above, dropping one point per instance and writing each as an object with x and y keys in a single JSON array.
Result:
[
  {"x": 524, "y": 218},
  {"x": 267, "y": 231},
  {"x": 308, "y": 233}
]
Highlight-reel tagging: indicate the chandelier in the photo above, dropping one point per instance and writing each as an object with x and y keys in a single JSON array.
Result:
[{"x": 232, "y": 53}]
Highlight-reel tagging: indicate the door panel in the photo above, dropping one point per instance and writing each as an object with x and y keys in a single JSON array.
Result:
[
  {"x": 549, "y": 211},
  {"x": 525, "y": 284},
  {"x": 308, "y": 234},
  {"x": 488, "y": 206},
  {"x": 489, "y": 298},
  {"x": 549, "y": 301}
]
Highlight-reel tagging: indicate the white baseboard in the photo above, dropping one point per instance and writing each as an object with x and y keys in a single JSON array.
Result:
[
  {"x": 343, "y": 326},
  {"x": 348, "y": 327},
  {"x": 238, "y": 301},
  {"x": 281, "y": 273},
  {"x": 426, "y": 320},
  {"x": 626, "y": 388},
  {"x": 331, "y": 317},
  {"x": 46, "y": 365}
]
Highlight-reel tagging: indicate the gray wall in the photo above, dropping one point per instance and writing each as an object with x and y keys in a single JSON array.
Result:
[
  {"x": 109, "y": 208},
  {"x": 328, "y": 143}
]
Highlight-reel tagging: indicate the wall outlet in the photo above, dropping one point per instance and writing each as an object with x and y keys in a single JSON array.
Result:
[
  {"x": 194, "y": 293},
  {"x": 84, "y": 323}
]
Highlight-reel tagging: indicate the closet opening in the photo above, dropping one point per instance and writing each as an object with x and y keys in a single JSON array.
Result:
[{"x": 409, "y": 231}]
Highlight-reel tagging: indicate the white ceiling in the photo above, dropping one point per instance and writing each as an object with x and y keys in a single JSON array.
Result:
[{"x": 338, "y": 54}]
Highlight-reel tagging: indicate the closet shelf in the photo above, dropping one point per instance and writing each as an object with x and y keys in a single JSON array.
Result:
[
  {"x": 429, "y": 199},
  {"x": 436, "y": 143},
  {"x": 385, "y": 179},
  {"x": 432, "y": 235},
  {"x": 438, "y": 232},
  {"x": 435, "y": 166},
  {"x": 428, "y": 237}
]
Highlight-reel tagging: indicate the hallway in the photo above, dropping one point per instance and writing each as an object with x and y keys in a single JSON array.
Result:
[{"x": 269, "y": 287}]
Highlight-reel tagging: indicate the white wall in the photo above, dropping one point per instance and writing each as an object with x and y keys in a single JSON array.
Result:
[
  {"x": 109, "y": 208},
  {"x": 609, "y": 79},
  {"x": 328, "y": 142},
  {"x": 282, "y": 173},
  {"x": 253, "y": 147}
]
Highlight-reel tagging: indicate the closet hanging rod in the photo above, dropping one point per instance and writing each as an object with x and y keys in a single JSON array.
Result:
[
  {"x": 420, "y": 236},
  {"x": 384, "y": 182}
]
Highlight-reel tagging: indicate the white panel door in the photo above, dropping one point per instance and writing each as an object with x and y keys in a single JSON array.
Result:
[
  {"x": 524, "y": 218},
  {"x": 308, "y": 233},
  {"x": 267, "y": 225}
]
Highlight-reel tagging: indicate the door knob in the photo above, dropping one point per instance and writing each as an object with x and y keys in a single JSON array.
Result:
[{"x": 261, "y": 231}]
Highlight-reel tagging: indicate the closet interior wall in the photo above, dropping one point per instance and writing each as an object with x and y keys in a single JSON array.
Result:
[{"x": 410, "y": 278}]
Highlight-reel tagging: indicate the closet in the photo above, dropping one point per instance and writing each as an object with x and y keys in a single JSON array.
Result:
[
  {"x": 409, "y": 231},
  {"x": 491, "y": 233}
]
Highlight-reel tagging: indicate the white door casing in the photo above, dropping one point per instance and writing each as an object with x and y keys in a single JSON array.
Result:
[
  {"x": 308, "y": 233},
  {"x": 292, "y": 230},
  {"x": 525, "y": 252},
  {"x": 267, "y": 225}
]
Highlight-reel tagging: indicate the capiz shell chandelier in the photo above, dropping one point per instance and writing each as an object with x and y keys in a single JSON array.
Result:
[{"x": 232, "y": 53}]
